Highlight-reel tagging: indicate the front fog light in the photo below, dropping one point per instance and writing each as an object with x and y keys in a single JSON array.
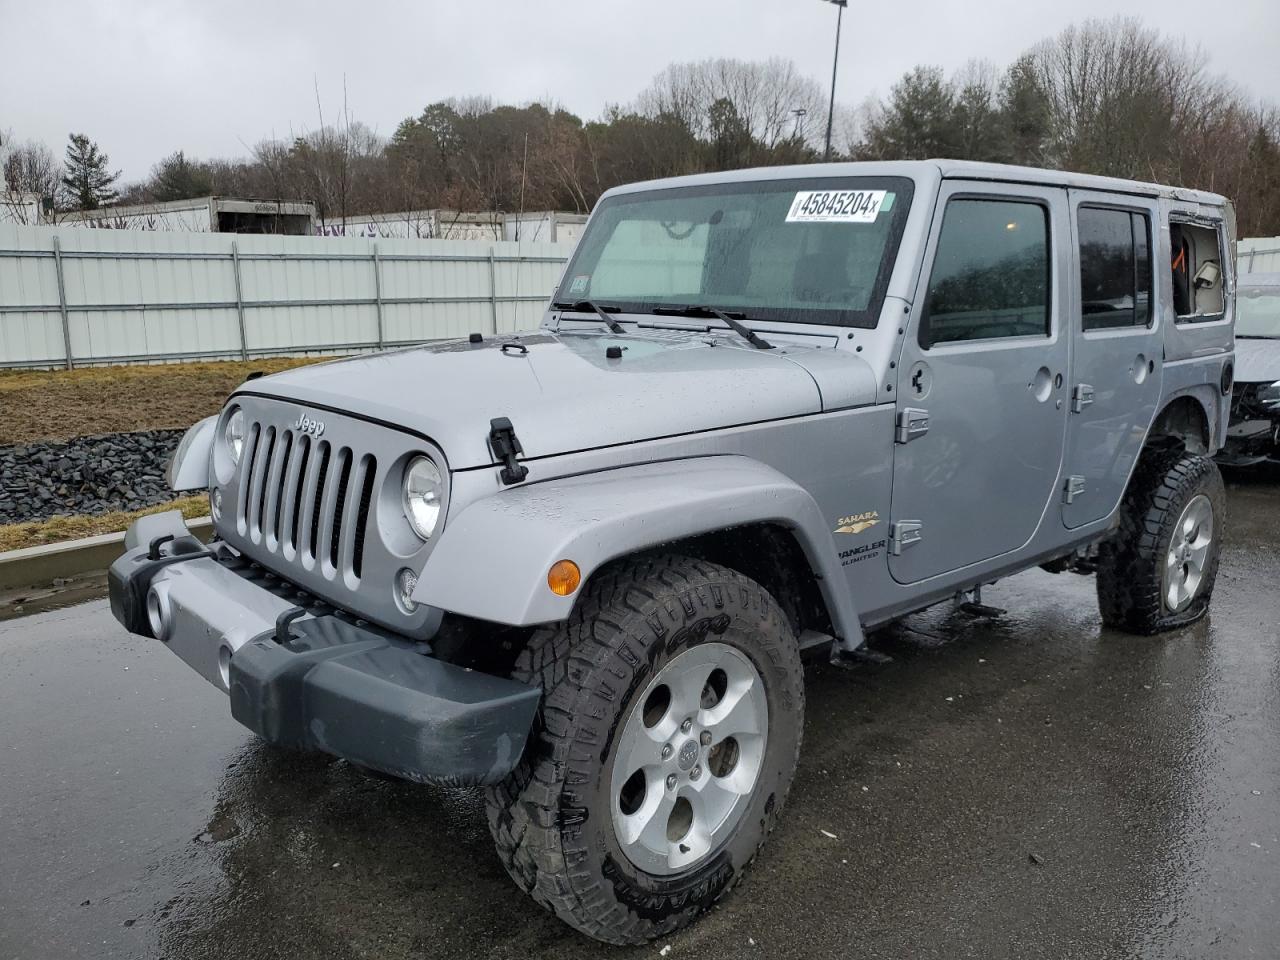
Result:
[
  {"x": 233, "y": 434},
  {"x": 158, "y": 611},
  {"x": 215, "y": 503},
  {"x": 423, "y": 495},
  {"x": 406, "y": 583}
]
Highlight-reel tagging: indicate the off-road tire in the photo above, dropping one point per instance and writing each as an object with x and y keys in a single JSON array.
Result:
[
  {"x": 1130, "y": 562},
  {"x": 551, "y": 818}
]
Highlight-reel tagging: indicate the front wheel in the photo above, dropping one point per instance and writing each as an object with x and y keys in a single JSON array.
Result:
[
  {"x": 1158, "y": 570},
  {"x": 664, "y": 749}
]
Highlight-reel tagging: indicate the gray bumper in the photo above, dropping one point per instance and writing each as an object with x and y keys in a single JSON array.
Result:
[
  {"x": 1250, "y": 442},
  {"x": 333, "y": 684}
]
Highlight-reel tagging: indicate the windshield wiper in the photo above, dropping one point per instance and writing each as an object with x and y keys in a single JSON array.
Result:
[
  {"x": 753, "y": 338},
  {"x": 589, "y": 306}
]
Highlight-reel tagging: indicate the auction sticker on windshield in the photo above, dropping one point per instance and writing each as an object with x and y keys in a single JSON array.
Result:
[{"x": 838, "y": 206}]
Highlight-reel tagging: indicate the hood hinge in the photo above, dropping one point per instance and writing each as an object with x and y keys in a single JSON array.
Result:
[{"x": 506, "y": 446}]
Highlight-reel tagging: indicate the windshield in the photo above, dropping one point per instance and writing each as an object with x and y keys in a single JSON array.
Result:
[
  {"x": 816, "y": 250},
  {"x": 1258, "y": 315}
]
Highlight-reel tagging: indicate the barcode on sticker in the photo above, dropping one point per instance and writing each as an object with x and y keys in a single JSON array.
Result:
[{"x": 838, "y": 206}]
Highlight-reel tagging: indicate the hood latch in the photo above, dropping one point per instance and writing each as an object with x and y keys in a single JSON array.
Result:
[{"x": 506, "y": 446}]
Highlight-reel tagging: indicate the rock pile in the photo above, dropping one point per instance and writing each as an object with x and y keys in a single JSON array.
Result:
[{"x": 87, "y": 475}]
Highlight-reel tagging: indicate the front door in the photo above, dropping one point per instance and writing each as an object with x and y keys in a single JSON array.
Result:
[
  {"x": 981, "y": 388},
  {"x": 1118, "y": 350}
]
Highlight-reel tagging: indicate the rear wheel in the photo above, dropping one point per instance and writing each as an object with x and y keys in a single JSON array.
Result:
[
  {"x": 665, "y": 746},
  {"x": 1158, "y": 570}
]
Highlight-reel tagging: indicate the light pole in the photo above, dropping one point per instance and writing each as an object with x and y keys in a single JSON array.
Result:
[
  {"x": 835, "y": 65},
  {"x": 800, "y": 114}
]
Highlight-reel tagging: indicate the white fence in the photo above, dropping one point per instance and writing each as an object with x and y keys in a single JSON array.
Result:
[
  {"x": 1258, "y": 255},
  {"x": 71, "y": 297}
]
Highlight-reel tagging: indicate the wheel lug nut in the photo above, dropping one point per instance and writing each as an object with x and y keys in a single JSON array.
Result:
[
  {"x": 671, "y": 782},
  {"x": 695, "y": 773},
  {"x": 687, "y": 725},
  {"x": 705, "y": 738},
  {"x": 666, "y": 751}
]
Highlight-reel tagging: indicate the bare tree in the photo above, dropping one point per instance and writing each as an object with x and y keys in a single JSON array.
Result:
[
  {"x": 31, "y": 167},
  {"x": 762, "y": 94},
  {"x": 1121, "y": 97}
]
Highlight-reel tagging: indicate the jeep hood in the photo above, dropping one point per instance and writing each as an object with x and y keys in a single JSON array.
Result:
[
  {"x": 562, "y": 393},
  {"x": 1257, "y": 361}
]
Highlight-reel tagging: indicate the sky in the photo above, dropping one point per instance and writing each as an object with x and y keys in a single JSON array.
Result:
[{"x": 147, "y": 77}]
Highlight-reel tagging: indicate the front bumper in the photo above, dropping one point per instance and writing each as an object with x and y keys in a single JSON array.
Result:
[{"x": 317, "y": 682}]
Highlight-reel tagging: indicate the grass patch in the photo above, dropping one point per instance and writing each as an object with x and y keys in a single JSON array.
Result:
[
  {"x": 60, "y": 404},
  {"x": 15, "y": 536}
]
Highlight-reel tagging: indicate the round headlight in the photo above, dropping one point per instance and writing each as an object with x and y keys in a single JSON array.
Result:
[
  {"x": 423, "y": 496},
  {"x": 233, "y": 434}
]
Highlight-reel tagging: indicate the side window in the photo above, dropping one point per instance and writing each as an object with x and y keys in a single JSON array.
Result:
[
  {"x": 1196, "y": 252},
  {"x": 1115, "y": 268},
  {"x": 990, "y": 274}
]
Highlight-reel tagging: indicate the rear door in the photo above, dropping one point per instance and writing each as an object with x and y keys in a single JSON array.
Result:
[
  {"x": 1118, "y": 350},
  {"x": 981, "y": 411}
]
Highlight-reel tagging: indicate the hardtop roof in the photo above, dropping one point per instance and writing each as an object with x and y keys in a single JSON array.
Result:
[{"x": 933, "y": 170}]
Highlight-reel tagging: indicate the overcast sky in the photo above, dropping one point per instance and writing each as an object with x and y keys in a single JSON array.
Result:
[{"x": 147, "y": 77}]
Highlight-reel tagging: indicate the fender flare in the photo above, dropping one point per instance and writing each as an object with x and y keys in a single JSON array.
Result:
[
  {"x": 492, "y": 559},
  {"x": 188, "y": 468}
]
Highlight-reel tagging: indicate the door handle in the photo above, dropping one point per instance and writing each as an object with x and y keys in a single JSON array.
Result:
[{"x": 1041, "y": 385}]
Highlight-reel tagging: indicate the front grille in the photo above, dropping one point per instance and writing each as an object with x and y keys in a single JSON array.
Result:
[
  {"x": 324, "y": 513},
  {"x": 305, "y": 500}
]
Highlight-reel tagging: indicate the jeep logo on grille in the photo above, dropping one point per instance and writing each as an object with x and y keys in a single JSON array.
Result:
[{"x": 306, "y": 425}]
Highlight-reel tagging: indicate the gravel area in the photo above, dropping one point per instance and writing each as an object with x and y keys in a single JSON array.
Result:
[{"x": 87, "y": 475}]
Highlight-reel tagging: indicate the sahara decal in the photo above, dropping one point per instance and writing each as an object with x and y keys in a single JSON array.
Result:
[{"x": 858, "y": 522}]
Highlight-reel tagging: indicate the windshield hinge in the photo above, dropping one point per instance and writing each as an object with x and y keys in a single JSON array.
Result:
[{"x": 506, "y": 446}]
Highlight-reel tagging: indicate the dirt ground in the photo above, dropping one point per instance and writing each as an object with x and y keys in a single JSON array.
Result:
[
  {"x": 61, "y": 404},
  {"x": 16, "y": 536}
]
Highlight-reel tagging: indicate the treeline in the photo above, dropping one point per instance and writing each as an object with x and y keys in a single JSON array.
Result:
[
  {"x": 1111, "y": 98},
  {"x": 1108, "y": 97}
]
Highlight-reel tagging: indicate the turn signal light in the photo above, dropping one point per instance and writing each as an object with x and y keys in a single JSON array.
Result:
[{"x": 564, "y": 577}]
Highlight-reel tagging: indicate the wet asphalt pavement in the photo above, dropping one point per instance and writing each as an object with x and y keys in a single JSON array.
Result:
[{"x": 1032, "y": 787}]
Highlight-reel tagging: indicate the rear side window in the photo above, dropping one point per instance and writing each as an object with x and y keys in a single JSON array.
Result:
[
  {"x": 1115, "y": 268},
  {"x": 1197, "y": 271},
  {"x": 990, "y": 274}
]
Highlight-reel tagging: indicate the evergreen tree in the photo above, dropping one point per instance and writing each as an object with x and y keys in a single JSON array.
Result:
[
  {"x": 731, "y": 140},
  {"x": 87, "y": 181},
  {"x": 1025, "y": 108},
  {"x": 177, "y": 178},
  {"x": 919, "y": 121}
]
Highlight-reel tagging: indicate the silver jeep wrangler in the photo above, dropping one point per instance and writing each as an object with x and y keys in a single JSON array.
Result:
[{"x": 766, "y": 412}]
